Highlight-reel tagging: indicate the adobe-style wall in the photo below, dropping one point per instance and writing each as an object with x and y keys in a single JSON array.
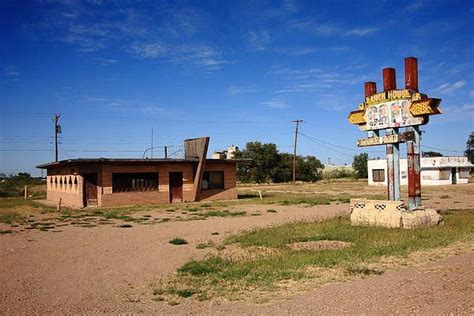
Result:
[
  {"x": 67, "y": 184},
  {"x": 153, "y": 197},
  {"x": 230, "y": 182}
]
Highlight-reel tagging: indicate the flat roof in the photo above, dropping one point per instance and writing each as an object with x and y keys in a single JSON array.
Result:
[{"x": 132, "y": 161}]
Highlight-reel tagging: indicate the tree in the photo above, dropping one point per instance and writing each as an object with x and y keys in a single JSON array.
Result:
[
  {"x": 360, "y": 165},
  {"x": 431, "y": 154},
  {"x": 268, "y": 165},
  {"x": 469, "y": 153},
  {"x": 264, "y": 159}
]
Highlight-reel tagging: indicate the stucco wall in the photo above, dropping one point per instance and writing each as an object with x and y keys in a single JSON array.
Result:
[{"x": 433, "y": 172}]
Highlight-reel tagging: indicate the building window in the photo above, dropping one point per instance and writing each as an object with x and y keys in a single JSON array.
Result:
[
  {"x": 378, "y": 175},
  {"x": 134, "y": 182},
  {"x": 213, "y": 180},
  {"x": 464, "y": 173},
  {"x": 444, "y": 174}
]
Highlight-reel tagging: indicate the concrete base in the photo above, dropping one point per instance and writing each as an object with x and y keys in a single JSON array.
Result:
[{"x": 392, "y": 214}]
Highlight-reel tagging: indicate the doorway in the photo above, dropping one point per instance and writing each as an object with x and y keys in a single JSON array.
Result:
[
  {"x": 176, "y": 187},
  {"x": 453, "y": 176},
  {"x": 90, "y": 189}
]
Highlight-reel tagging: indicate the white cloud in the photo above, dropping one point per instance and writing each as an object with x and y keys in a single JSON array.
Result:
[
  {"x": 275, "y": 104},
  {"x": 236, "y": 90},
  {"x": 448, "y": 88}
]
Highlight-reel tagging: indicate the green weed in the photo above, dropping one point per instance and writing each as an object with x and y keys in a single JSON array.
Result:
[{"x": 178, "y": 241}]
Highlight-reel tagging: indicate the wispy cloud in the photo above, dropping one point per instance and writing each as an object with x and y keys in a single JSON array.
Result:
[
  {"x": 300, "y": 51},
  {"x": 306, "y": 87},
  {"x": 414, "y": 6},
  {"x": 11, "y": 71},
  {"x": 362, "y": 31},
  {"x": 274, "y": 104},
  {"x": 95, "y": 99},
  {"x": 448, "y": 88},
  {"x": 236, "y": 90},
  {"x": 150, "y": 33},
  {"x": 200, "y": 55},
  {"x": 106, "y": 61},
  {"x": 259, "y": 39},
  {"x": 148, "y": 50},
  {"x": 328, "y": 28}
]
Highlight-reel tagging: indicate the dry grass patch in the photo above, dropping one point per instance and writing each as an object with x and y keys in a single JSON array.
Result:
[
  {"x": 319, "y": 245},
  {"x": 264, "y": 260}
]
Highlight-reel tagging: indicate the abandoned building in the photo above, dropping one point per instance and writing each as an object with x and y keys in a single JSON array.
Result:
[
  {"x": 114, "y": 182},
  {"x": 434, "y": 171}
]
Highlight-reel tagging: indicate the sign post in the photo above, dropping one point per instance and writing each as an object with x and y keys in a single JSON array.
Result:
[{"x": 383, "y": 115}]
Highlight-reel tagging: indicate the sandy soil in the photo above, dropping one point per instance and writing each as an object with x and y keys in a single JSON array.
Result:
[{"x": 110, "y": 269}]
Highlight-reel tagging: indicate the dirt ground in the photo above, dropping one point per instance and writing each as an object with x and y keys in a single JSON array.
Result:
[{"x": 109, "y": 269}]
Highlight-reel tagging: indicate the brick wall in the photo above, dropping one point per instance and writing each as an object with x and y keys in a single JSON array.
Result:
[
  {"x": 66, "y": 183},
  {"x": 230, "y": 182},
  {"x": 159, "y": 196}
]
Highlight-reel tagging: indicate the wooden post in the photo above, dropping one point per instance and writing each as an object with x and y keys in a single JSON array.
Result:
[{"x": 26, "y": 192}]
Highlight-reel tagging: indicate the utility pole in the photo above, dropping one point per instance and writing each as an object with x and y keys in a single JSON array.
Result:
[
  {"x": 57, "y": 130},
  {"x": 294, "y": 149},
  {"x": 151, "y": 143}
]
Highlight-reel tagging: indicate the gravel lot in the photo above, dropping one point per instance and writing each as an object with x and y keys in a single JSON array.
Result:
[{"x": 110, "y": 269}]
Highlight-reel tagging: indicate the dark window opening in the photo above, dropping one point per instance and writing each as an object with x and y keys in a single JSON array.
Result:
[
  {"x": 378, "y": 175},
  {"x": 134, "y": 182},
  {"x": 213, "y": 180}
]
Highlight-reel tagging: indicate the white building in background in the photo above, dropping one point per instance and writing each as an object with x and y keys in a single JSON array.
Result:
[
  {"x": 434, "y": 171},
  {"x": 228, "y": 153}
]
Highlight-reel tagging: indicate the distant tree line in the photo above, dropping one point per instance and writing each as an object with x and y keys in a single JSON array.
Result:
[
  {"x": 14, "y": 185},
  {"x": 267, "y": 165},
  {"x": 469, "y": 153}
]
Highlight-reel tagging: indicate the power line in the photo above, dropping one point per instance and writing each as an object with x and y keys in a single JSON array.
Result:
[
  {"x": 334, "y": 150},
  {"x": 338, "y": 146},
  {"x": 448, "y": 150},
  {"x": 109, "y": 117}
]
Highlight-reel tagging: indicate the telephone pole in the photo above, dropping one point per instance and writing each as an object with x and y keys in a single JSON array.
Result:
[
  {"x": 294, "y": 148},
  {"x": 57, "y": 130}
]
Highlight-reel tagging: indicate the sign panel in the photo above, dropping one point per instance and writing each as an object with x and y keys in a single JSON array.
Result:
[
  {"x": 387, "y": 139},
  {"x": 392, "y": 114}
]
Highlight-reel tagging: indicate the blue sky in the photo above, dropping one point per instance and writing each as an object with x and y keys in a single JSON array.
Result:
[{"x": 237, "y": 71}]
